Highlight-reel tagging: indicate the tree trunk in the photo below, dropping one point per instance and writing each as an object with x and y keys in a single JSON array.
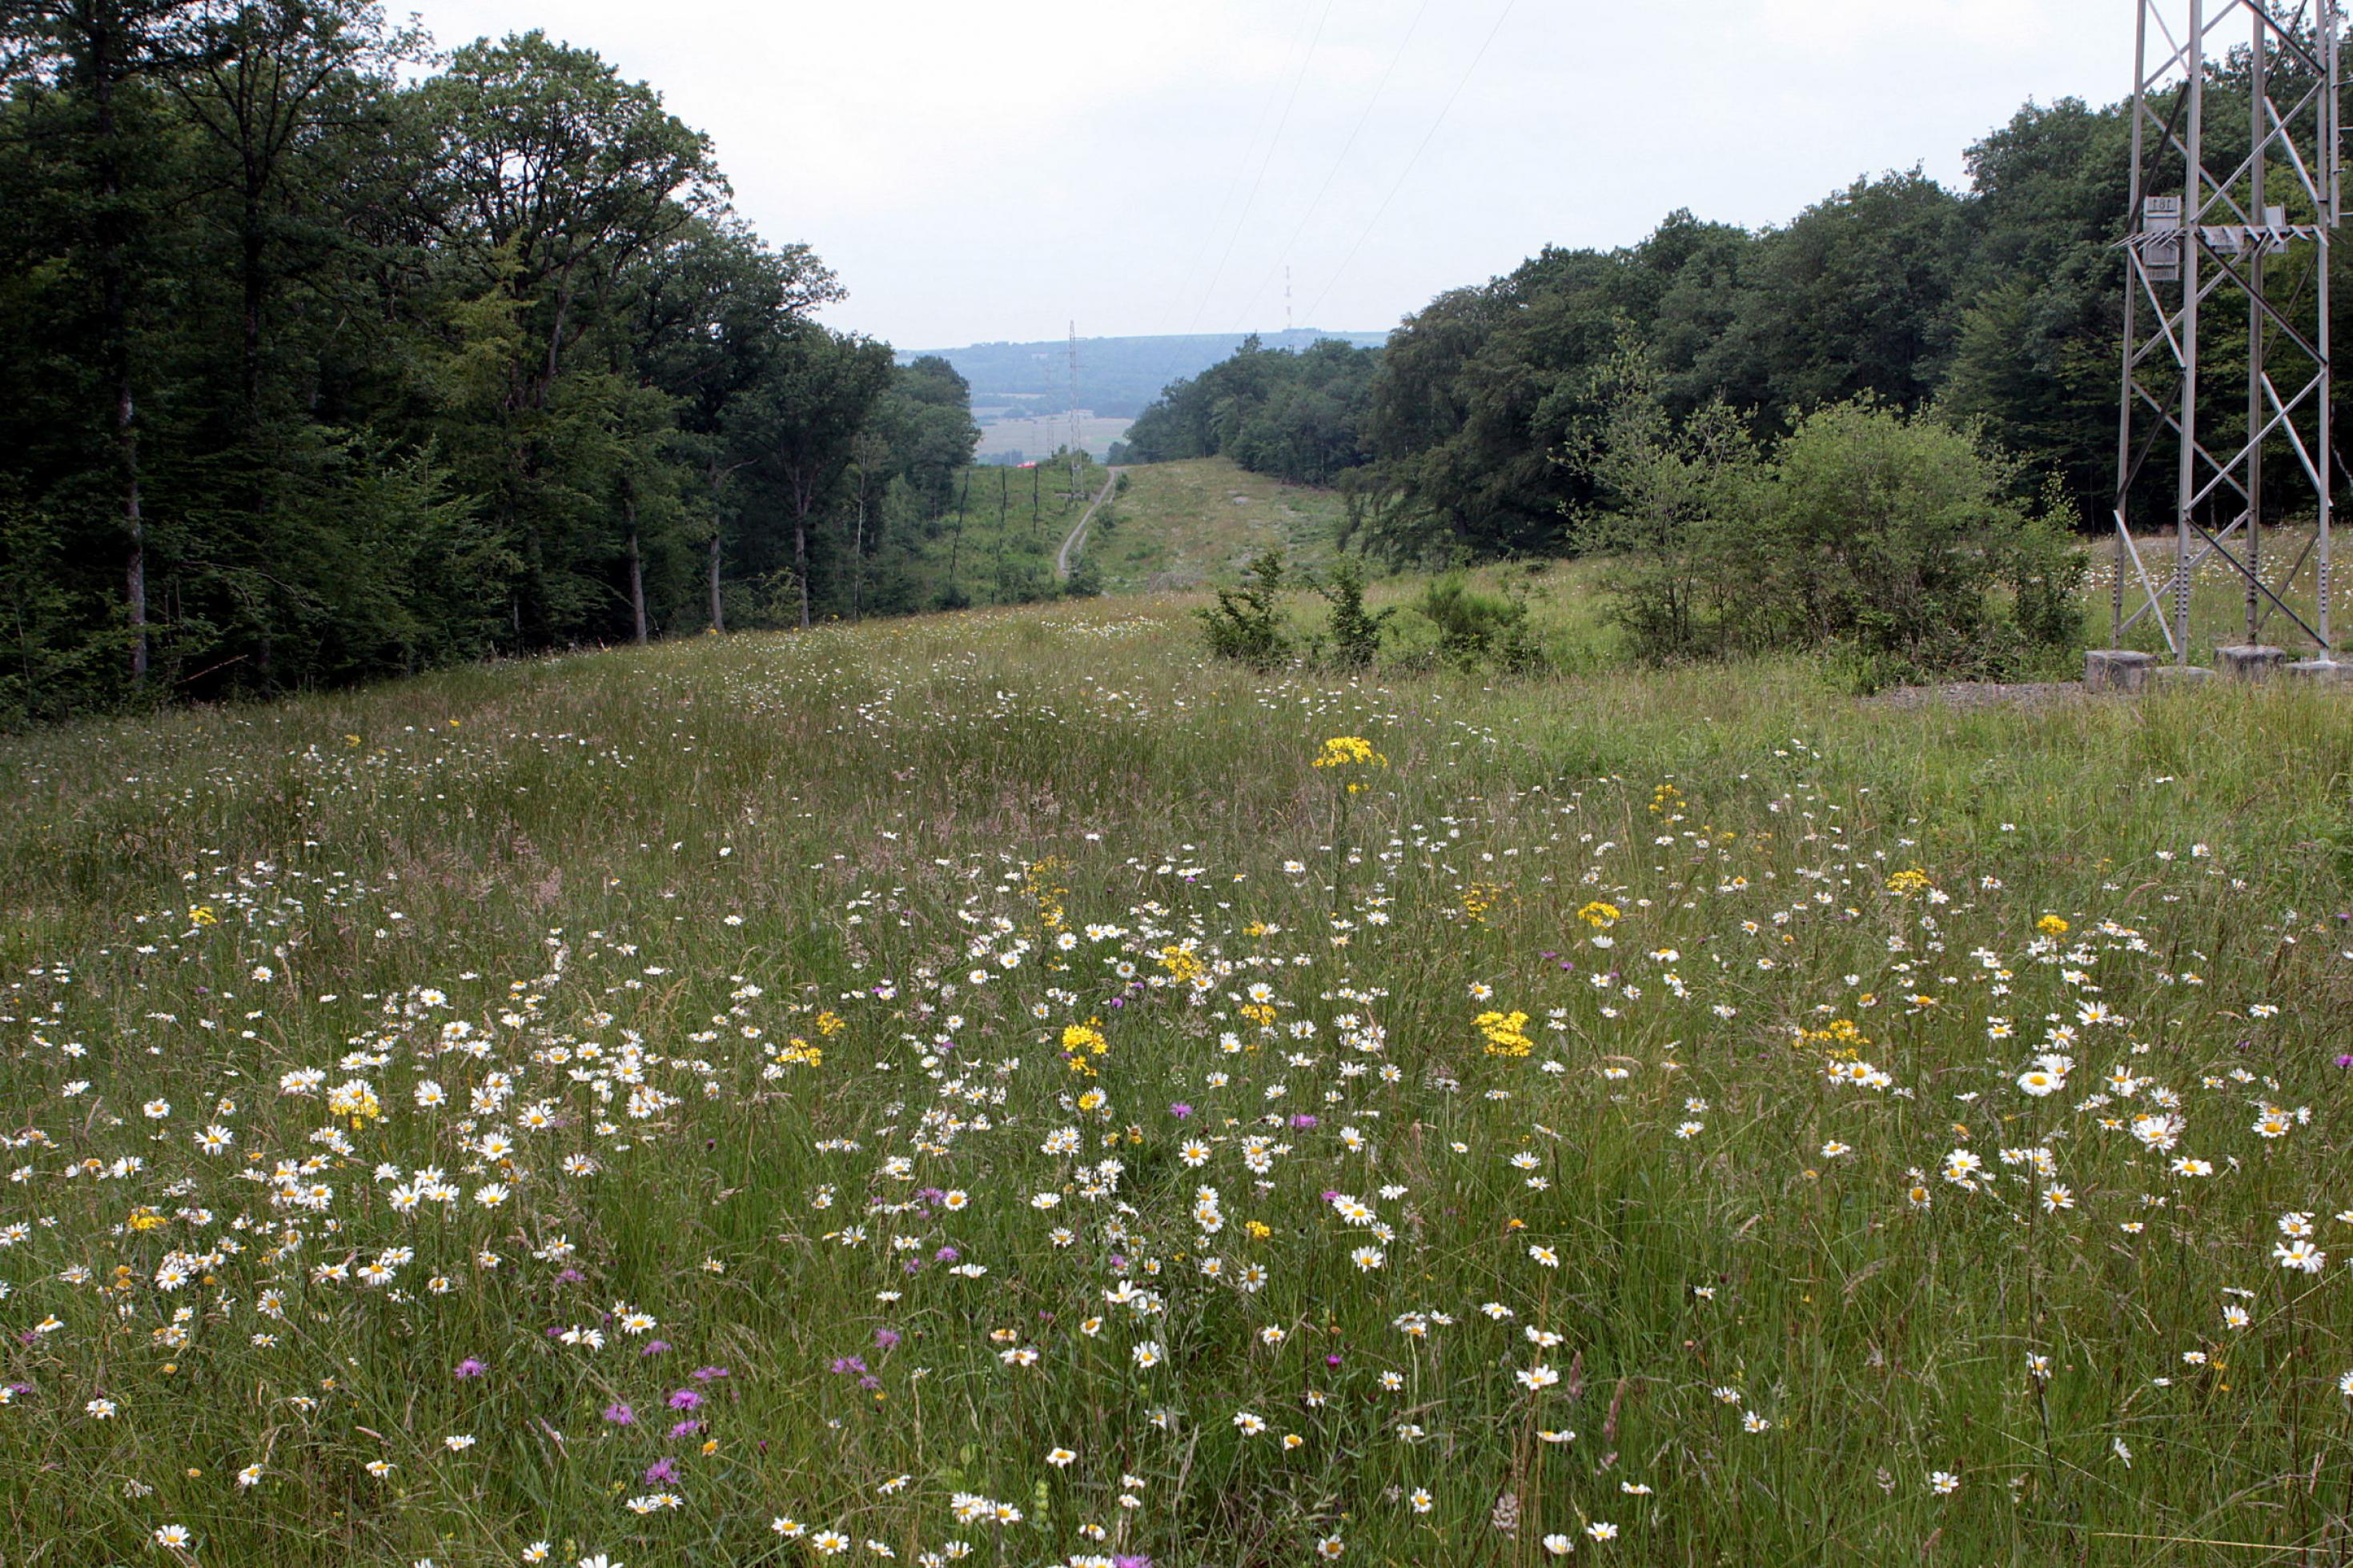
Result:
[
  {"x": 857, "y": 554},
  {"x": 718, "y": 612},
  {"x": 800, "y": 563},
  {"x": 637, "y": 578}
]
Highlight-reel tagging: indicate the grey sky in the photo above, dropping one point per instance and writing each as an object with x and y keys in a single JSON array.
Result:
[{"x": 981, "y": 171}]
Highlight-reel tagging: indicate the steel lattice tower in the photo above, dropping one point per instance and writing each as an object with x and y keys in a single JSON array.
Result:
[
  {"x": 1077, "y": 450},
  {"x": 2210, "y": 239}
]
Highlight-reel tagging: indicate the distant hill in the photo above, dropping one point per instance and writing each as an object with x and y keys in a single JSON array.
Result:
[{"x": 1117, "y": 376}]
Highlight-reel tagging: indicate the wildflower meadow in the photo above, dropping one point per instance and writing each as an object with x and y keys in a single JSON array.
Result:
[{"x": 1009, "y": 1089}]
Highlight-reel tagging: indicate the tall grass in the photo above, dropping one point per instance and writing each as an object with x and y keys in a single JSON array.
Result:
[{"x": 822, "y": 904}]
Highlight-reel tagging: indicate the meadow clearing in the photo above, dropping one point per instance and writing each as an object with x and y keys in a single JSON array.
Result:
[{"x": 1004, "y": 1088}]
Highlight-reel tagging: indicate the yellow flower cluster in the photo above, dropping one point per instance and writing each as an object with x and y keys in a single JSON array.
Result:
[
  {"x": 1038, "y": 885},
  {"x": 1479, "y": 898},
  {"x": 355, "y": 1101},
  {"x": 1838, "y": 1038},
  {"x": 829, "y": 1023},
  {"x": 1081, "y": 1042},
  {"x": 1506, "y": 1033},
  {"x": 1598, "y": 915},
  {"x": 1349, "y": 752},
  {"x": 2051, "y": 925},
  {"x": 1911, "y": 881},
  {"x": 800, "y": 1053},
  {"x": 1183, "y": 966}
]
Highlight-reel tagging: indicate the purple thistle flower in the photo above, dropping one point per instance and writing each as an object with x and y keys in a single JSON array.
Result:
[
  {"x": 1303, "y": 1121},
  {"x": 620, "y": 1414},
  {"x": 662, "y": 1471},
  {"x": 705, "y": 1374},
  {"x": 946, "y": 1255},
  {"x": 884, "y": 1339},
  {"x": 685, "y": 1399},
  {"x": 472, "y": 1367},
  {"x": 1180, "y": 1111},
  {"x": 2345, "y": 1061},
  {"x": 655, "y": 1347},
  {"x": 1130, "y": 1559},
  {"x": 684, "y": 1429}
]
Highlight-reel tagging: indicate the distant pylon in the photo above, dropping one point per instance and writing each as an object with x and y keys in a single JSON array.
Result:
[
  {"x": 1286, "y": 299},
  {"x": 2198, "y": 231},
  {"x": 1075, "y": 449}
]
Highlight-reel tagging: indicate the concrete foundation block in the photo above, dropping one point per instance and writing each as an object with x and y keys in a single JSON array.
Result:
[
  {"x": 2325, "y": 669},
  {"x": 2172, "y": 676},
  {"x": 2250, "y": 661},
  {"x": 2117, "y": 670}
]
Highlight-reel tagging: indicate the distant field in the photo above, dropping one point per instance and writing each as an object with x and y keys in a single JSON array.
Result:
[{"x": 1046, "y": 433}]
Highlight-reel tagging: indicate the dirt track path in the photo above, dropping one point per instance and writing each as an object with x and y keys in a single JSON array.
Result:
[{"x": 1077, "y": 533}]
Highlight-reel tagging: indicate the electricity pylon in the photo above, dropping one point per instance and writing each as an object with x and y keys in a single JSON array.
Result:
[{"x": 2211, "y": 238}]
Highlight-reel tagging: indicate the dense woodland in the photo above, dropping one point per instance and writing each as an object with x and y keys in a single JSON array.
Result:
[
  {"x": 1474, "y": 431},
  {"x": 324, "y": 357}
]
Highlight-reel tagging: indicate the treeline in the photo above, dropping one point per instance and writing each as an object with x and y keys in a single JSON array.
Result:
[
  {"x": 1475, "y": 430},
  {"x": 324, "y": 357},
  {"x": 1298, "y": 415}
]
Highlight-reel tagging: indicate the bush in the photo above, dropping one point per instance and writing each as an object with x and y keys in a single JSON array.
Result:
[
  {"x": 1356, "y": 632},
  {"x": 1245, "y": 623},
  {"x": 1896, "y": 542},
  {"x": 1678, "y": 558},
  {"x": 1085, "y": 581},
  {"x": 1898, "y": 538},
  {"x": 1476, "y": 629}
]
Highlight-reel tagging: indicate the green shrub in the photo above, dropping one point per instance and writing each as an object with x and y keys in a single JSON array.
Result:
[
  {"x": 1245, "y": 623},
  {"x": 1477, "y": 630},
  {"x": 1356, "y": 632},
  {"x": 1897, "y": 543}
]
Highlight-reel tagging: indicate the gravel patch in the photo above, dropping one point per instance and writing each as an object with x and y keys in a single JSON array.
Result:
[{"x": 1981, "y": 694}]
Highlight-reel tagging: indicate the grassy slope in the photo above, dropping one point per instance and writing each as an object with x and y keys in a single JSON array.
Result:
[
  {"x": 1183, "y": 524},
  {"x": 593, "y": 862}
]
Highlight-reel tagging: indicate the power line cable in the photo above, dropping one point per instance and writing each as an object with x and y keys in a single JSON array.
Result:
[
  {"x": 1298, "y": 77},
  {"x": 1417, "y": 152},
  {"x": 1332, "y": 173},
  {"x": 1177, "y": 296}
]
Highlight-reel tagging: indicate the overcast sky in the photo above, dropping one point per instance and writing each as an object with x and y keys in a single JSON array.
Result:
[{"x": 978, "y": 172}]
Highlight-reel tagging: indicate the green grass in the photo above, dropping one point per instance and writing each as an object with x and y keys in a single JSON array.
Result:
[
  {"x": 645, "y": 873},
  {"x": 1182, "y": 525},
  {"x": 2217, "y": 602},
  {"x": 998, "y": 549}
]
